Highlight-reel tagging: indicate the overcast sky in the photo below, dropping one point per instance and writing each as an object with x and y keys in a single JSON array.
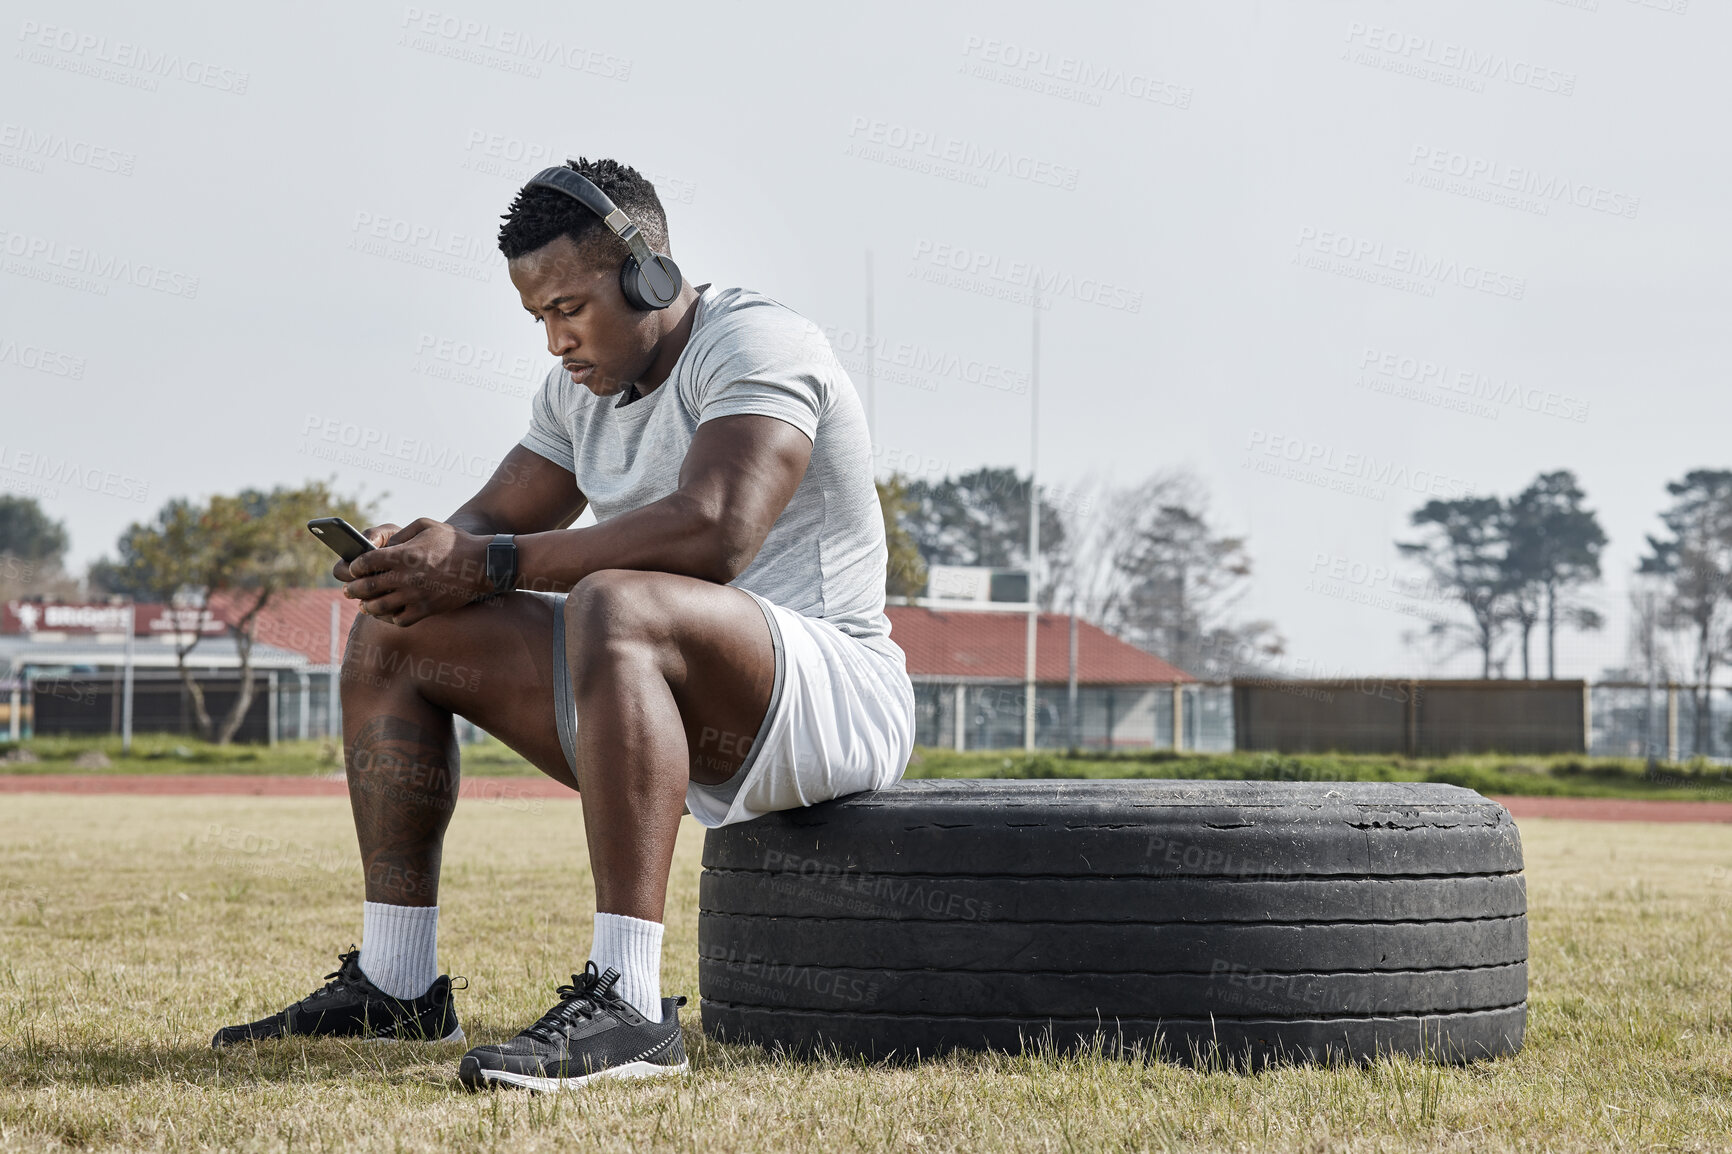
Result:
[{"x": 1333, "y": 257}]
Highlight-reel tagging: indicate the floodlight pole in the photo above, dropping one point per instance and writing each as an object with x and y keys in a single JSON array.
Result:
[
  {"x": 1028, "y": 713},
  {"x": 332, "y": 722},
  {"x": 1652, "y": 738},
  {"x": 126, "y": 682},
  {"x": 871, "y": 355},
  {"x": 1075, "y": 724}
]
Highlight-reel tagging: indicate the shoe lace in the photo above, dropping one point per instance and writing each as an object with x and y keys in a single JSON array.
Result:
[
  {"x": 339, "y": 976},
  {"x": 580, "y": 1000}
]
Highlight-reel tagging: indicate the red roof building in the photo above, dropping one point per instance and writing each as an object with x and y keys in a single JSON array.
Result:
[
  {"x": 969, "y": 645},
  {"x": 297, "y": 619},
  {"x": 966, "y": 664}
]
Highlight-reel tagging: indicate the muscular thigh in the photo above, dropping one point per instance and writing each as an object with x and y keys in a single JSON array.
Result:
[
  {"x": 490, "y": 663},
  {"x": 717, "y": 656}
]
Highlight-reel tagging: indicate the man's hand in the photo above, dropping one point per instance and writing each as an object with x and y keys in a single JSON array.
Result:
[
  {"x": 413, "y": 573},
  {"x": 379, "y": 535}
]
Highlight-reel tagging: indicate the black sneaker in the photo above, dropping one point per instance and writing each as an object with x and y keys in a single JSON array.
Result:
[
  {"x": 592, "y": 1033},
  {"x": 350, "y": 1006}
]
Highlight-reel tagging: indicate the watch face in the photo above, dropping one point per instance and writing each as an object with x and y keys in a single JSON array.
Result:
[{"x": 501, "y": 564}]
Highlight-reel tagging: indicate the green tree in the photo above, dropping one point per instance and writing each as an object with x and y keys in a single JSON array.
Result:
[
  {"x": 1465, "y": 552},
  {"x": 1553, "y": 548},
  {"x": 246, "y": 549},
  {"x": 30, "y": 535},
  {"x": 979, "y": 518},
  {"x": 1695, "y": 560},
  {"x": 905, "y": 575}
]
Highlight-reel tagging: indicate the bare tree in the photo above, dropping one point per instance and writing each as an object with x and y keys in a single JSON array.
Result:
[
  {"x": 1083, "y": 570},
  {"x": 1648, "y": 644},
  {"x": 1464, "y": 552},
  {"x": 1149, "y": 565},
  {"x": 1696, "y": 562}
]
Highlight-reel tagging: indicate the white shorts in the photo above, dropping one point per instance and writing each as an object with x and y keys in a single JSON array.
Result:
[{"x": 841, "y": 721}]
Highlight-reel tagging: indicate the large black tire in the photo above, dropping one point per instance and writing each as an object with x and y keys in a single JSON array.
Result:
[{"x": 1243, "y": 922}]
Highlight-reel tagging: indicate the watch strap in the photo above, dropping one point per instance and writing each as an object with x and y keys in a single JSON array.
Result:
[{"x": 502, "y": 563}]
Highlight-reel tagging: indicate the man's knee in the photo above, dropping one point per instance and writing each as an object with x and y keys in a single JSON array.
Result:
[
  {"x": 381, "y": 656},
  {"x": 610, "y": 615}
]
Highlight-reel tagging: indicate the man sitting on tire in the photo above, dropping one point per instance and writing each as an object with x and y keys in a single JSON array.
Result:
[{"x": 716, "y": 641}]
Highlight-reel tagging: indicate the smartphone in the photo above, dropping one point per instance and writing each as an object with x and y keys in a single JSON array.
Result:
[{"x": 342, "y": 538}]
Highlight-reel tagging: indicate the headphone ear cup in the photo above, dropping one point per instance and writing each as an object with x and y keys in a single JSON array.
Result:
[
  {"x": 639, "y": 289},
  {"x": 628, "y": 283}
]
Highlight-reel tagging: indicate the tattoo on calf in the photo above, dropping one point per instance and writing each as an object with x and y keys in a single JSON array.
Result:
[{"x": 402, "y": 787}]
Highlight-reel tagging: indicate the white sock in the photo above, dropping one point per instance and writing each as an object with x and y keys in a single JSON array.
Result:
[
  {"x": 634, "y": 948},
  {"x": 400, "y": 947}
]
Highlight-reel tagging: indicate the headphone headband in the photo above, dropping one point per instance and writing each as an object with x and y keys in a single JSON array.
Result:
[{"x": 654, "y": 269}]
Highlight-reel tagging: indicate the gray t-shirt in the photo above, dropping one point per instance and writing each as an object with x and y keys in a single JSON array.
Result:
[{"x": 825, "y": 555}]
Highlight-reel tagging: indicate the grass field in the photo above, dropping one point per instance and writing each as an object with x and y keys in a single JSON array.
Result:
[
  {"x": 131, "y": 927},
  {"x": 168, "y": 753},
  {"x": 1556, "y": 776}
]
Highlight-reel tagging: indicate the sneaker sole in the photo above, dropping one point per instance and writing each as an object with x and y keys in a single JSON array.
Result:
[
  {"x": 482, "y": 1079},
  {"x": 454, "y": 1036}
]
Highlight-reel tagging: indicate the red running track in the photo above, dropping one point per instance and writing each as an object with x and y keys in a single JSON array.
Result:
[
  {"x": 218, "y": 784},
  {"x": 513, "y": 788}
]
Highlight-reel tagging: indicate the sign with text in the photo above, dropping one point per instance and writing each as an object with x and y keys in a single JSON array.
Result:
[{"x": 57, "y": 617}]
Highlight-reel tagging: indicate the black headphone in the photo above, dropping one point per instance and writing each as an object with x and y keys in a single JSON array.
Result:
[{"x": 650, "y": 280}]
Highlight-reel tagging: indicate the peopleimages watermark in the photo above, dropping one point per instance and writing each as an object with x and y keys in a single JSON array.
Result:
[
  {"x": 1398, "y": 267},
  {"x": 362, "y": 659},
  {"x": 1251, "y": 986},
  {"x": 1374, "y": 575},
  {"x": 912, "y": 465},
  {"x": 386, "y": 451},
  {"x": 473, "y": 256},
  {"x": 1207, "y": 861},
  {"x": 87, "y": 269},
  {"x": 1510, "y": 186},
  {"x": 1064, "y": 77},
  {"x": 919, "y": 365},
  {"x": 1376, "y": 586},
  {"x": 1466, "y": 390},
  {"x": 503, "y": 48},
  {"x": 479, "y": 366},
  {"x": 935, "y": 153},
  {"x": 500, "y": 154},
  {"x": 229, "y": 847},
  {"x": 863, "y": 891},
  {"x": 732, "y": 974},
  {"x": 45, "y": 472},
  {"x": 1448, "y": 63},
  {"x": 31, "y": 149},
  {"x": 1357, "y": 474},
  {"x": 121, "y": 61},
  {"x": 40, "y": 359},
  {"x": 1019, "y": 281}
]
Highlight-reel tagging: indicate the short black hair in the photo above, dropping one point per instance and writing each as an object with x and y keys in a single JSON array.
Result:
[{"x": 539, "y": 215}]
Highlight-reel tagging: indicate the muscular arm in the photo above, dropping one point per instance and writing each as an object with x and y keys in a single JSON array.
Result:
[
  {"x": 737, "y": 477},
  {"x": 526, "y": 493}
]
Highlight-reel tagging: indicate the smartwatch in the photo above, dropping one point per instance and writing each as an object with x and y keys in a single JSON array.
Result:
[{"x": 502, "y": 563}]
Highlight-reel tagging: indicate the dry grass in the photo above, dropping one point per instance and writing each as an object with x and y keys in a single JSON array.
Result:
[{"x": 130, "y": 928}]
